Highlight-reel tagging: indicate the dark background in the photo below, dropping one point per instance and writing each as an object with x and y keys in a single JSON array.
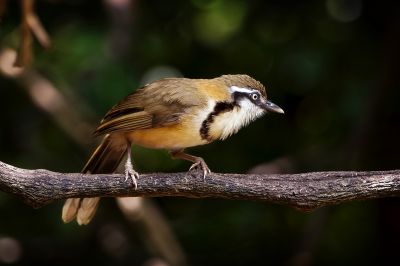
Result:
[{"x": 332, "y": 65}]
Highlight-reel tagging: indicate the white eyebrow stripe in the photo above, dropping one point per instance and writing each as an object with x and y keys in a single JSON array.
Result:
[{"x": 238, "y": 89}]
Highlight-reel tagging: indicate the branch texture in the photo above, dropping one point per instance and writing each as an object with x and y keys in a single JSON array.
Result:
[{"x": 305, "y": 191}]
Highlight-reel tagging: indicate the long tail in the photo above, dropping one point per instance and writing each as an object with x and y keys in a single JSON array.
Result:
[{"x": 105, "y": 159}]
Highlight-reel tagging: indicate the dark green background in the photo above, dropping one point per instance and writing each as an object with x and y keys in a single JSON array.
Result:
[{"x": 333, "y": 66}]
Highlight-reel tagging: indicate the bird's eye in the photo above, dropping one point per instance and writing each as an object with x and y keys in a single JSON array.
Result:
[{"x": 254, "y": 96}]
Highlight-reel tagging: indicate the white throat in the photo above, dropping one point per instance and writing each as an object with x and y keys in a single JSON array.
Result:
[
  {"x": 240, "y": 117},
  {"x": 229, "y": 123}
]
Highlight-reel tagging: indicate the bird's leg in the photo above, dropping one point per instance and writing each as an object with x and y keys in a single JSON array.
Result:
[
  {"x": 129, "y": 172},
  {"x": 197, "y": 161}
]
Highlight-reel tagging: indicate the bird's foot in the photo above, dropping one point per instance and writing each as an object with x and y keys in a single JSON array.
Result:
[
  {"x": 201, "y": 164},
  {"x": 198, "y": 161},
  {"x": 130, "y": 173}
]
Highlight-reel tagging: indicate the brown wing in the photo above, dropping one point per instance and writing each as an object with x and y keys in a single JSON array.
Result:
[{"x": 157, "y": 104}]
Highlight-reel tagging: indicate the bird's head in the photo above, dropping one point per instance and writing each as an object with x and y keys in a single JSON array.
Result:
[{"x": 249, "y": 93}]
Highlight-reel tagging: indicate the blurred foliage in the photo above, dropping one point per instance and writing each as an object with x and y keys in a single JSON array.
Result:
[{"x": 332, "y": 65}]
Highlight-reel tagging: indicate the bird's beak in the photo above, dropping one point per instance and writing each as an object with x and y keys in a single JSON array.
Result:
[{"x": 271, "y": 107}]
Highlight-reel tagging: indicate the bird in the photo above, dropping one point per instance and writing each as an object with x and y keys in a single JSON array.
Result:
[{"x": 172, "y": 114}]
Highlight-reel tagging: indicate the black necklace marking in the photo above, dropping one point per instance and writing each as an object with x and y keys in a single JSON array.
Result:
[{"x": 219, "y": 108}]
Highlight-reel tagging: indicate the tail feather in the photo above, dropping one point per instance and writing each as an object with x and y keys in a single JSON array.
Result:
[
  {"x": 105, "y": 159},
  {"x": 87, "y": 210},
  {"x": 70, "y": 209}
]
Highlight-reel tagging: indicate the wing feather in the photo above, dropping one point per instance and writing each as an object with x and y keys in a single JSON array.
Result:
[
  {"x": 157, "y": 104},
  {"x": 126, "y": 122}
]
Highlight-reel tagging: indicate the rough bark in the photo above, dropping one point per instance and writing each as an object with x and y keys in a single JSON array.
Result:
[{"x": 304, "y": 191}]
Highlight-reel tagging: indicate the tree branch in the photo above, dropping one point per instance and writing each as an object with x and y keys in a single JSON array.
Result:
[{"x": 305, "y": 191}]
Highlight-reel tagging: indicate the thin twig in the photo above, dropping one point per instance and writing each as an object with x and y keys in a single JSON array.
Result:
[
  {"x": 38, "y": 30},
  {"x": 3, "y": 6},
  {"x": 25, "y": 55},
  {"x": 30, "y": 26}
]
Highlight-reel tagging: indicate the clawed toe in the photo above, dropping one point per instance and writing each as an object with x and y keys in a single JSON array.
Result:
[
  {"x": 130, "y": 173},
  {"x": 198, "y": 161},
  {"x": 203, "y": 167}
]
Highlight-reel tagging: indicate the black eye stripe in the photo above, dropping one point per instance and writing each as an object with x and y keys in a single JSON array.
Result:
[
  {"x": 237, "y": 95},
  {"x": 240, "y": 95}
]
